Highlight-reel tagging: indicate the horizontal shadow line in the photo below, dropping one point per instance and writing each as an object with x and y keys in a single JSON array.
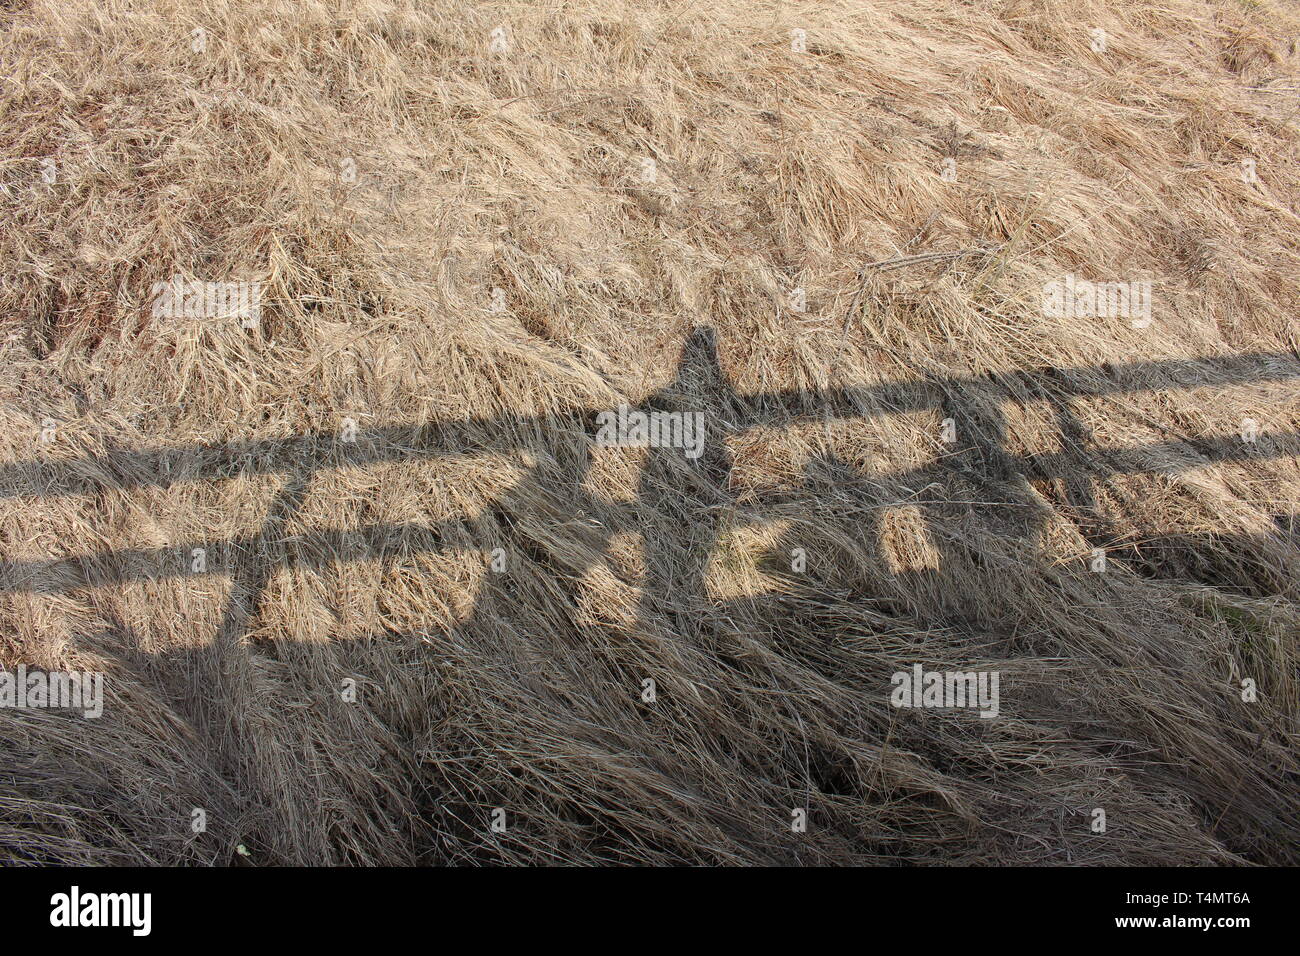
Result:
[
  {"x": 112, "y": 567},
  {"x": 171, "y": 465}
]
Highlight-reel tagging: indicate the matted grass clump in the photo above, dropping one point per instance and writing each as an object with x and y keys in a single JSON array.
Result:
[{"x": 308, "y": 315}]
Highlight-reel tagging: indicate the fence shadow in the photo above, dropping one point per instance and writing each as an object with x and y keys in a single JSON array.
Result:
[{"x": 694, "y": 493}]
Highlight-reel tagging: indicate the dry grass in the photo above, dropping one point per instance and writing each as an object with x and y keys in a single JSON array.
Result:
[{"x": 521, "y": 171}]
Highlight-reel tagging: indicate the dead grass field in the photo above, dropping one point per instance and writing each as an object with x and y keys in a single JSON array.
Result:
[{"x": 380, "y": 169}]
